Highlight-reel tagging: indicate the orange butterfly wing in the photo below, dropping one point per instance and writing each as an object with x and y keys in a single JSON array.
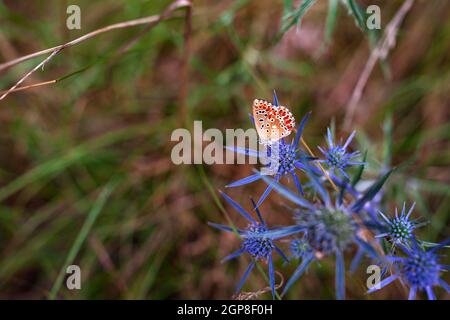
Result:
[{"x": 272, "y": 122}]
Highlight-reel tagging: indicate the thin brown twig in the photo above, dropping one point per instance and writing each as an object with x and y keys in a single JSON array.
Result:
[
  {"x": 35, "y": 85},
  {"x": 184, "y": 76},
  {"x": 128, "y": 45},
  {"x": 40, "y": 65},
  {"x": 253, "y": 295},
  {"x": 121, "y": 25},
  {"x": 166, "y": 14},
  {"x": 55, "y": 50},
  {"x": 386, "y": 43}
]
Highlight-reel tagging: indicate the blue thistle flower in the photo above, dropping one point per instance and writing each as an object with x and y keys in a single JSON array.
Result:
[
  {"x": 300, "y": 248},
  {"x": 329, "y": 228},
  {"x": 400, "y": 228},
  {"x": 255, "y": 243},
  {"x": 419, "y": 270},
  {"x": 370, "y": 207},
  {"x": 337, "y": 157},
  {"x": 288, "y": 156},
  {"x": 257, "y": 240}
]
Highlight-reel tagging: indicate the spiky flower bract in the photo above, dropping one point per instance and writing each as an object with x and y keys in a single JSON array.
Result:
[
  {"x": 400, "y": 228},
  {"x": 336, "y": 155},
  {"x": 257, "y": 240},
  {"x": 420, "y": 270},
  {"x": 286, "y": 158}
]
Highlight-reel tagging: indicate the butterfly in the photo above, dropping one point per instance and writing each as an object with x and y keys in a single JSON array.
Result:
[{"x": 272, "y": 122}]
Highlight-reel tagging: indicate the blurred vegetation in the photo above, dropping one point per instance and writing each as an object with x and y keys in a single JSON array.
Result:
[{"x": 85, "y": 169}]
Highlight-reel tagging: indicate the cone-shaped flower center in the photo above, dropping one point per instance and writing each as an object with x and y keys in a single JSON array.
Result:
[
  {"x": 330, "y": 230},
  {"x": 299, "y": 248},
  {"x": 421, "y": 269},
  {"x": 256, "y": 243},
  {"x": 285, "y": 155},
  {"x": 401, "y": 229},
  {"x": 337, "y": 157}
]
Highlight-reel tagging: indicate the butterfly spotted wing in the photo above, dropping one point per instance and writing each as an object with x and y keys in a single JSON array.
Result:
[{"x": 272, "y": 122}]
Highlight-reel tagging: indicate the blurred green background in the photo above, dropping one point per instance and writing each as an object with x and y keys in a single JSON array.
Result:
[{"x": 85, "y": 170}]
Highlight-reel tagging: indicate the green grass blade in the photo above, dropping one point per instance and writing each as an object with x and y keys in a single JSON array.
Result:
[
  {"x": 355, "y": 10},
  {"x": 359, "y": 173},
  {"x": 296, "y": 16},
  {"x": 370, "y": 193},
  {"x": 330, "y": 22},
  {"x": 62, "y": 162},
  {"x": 82, "y": 235},
  {"x": 387, "y": 141}
]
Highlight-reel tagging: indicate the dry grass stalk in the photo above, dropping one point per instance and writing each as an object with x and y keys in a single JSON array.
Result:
[
  {"x": 150, "y": 20},
  {"x": 380, "y": 52}
]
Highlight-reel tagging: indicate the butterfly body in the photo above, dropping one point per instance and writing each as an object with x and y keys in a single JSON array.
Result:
[{"x": 272, "y": 122}]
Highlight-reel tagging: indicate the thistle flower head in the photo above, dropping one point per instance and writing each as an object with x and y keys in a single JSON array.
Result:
[
  {"x": 336, "y": 155},
  {"x": 329, "y": 229},
  {"x": 257, "y": 240},
  {"x": 256, "y": 243},
  {"x": 300, "y": 248},
  {"x": 419, "y": 269},
  {"x": 286, "y": 157},
  {"x": 400, "y": 228}
]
